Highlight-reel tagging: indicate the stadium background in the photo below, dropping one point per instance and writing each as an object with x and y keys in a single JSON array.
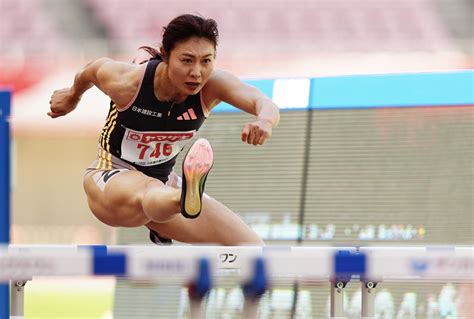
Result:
[{"x": 363, "y": 176}]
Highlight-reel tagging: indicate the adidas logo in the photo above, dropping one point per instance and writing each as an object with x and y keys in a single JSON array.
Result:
[{"x": 187, "y": 116}]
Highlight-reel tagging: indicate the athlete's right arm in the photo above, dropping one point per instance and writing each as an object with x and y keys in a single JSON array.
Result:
[{"x": 106, "y": 74}]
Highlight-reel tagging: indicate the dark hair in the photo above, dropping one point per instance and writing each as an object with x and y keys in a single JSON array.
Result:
[
  {"x": 182, "y": 28},
  {"x": 186, "y": 26}
]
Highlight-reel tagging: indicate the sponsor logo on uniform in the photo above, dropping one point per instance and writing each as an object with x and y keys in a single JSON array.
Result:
[
  {"x": 187, "y": 116},
  {"x": 146, "y": 112},
  {"x": 158, "y": 137}
]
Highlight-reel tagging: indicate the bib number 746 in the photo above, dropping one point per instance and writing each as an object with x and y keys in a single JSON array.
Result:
[{"x": 155, "y": 152}]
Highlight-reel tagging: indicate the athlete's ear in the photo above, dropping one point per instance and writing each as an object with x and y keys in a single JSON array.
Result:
[{"x": 163, "y": 54}]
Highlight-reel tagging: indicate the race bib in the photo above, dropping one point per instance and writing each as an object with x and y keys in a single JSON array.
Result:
[{"x": 153, "y": 148}]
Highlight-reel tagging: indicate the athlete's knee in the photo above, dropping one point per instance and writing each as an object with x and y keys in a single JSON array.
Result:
[
  {"x": 161, "y": 203},
  {"x": 122, "y": 205}
]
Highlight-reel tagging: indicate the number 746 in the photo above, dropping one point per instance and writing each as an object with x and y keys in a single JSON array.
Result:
[{"x": 160, "y": 148}]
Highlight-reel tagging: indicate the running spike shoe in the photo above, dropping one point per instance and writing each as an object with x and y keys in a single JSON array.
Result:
[
  {"x": 158, "y": 239},
  {"x": 196, "y": 165}
]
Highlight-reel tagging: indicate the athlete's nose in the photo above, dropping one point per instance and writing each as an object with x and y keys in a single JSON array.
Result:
[{"x": 196, "y": 71}]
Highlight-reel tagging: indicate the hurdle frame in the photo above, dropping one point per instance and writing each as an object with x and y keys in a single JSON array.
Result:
[{"x": 258, "y": 268}]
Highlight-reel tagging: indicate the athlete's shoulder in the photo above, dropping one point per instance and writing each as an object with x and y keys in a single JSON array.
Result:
[
  {"x": 113, "y": 67},
  {"x": 218, "y": 84},
  {"x": 120, "y": 80},
  {"x": 221, "y": 76},
  {"x": 218, "y": 81}
]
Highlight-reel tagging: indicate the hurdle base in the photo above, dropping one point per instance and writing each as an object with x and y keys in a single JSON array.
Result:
[
  {"x": 17, "y": 298},
  {"x": 337, "y": 298},
  {"x": 368, "y": 299}
]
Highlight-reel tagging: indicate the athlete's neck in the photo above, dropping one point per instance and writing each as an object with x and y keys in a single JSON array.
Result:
[{"x": 165, "y": 91}]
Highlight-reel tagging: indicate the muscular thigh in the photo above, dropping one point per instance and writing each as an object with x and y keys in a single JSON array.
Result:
[
  {"x": 217, "y": 224},
  {"x": 115, "y": 196}
]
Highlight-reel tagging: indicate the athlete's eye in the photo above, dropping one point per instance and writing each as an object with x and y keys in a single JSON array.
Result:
[
  {"x": 207, "y": 61},
  {"x": 187, "y": 61}
]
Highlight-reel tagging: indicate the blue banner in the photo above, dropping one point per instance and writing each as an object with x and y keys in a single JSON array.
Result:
[
  {"x": 369, "y": 91},
  {"x": 5, "y": 97}
]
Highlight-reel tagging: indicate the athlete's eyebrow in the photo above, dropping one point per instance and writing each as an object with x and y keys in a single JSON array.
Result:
[{"x": 193, "y": 56}]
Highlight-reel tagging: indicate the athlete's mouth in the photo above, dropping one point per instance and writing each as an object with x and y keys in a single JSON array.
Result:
[{"x": 193, "y": 85}]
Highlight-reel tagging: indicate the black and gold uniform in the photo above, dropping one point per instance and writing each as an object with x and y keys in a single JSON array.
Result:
[{"x": 149, "y": 134}]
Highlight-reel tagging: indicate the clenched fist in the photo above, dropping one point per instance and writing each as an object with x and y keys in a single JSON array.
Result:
[
  {"x": 257, "y": 133},
  {"x": 62, "y": 102}
]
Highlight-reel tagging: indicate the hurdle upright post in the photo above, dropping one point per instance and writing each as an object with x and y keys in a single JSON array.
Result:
[
  {"x": 368, "y": 298},
  {"x": 5, "y": 97},
  {"x": 337, "y": 298},
  {"x": 18, "y": 299}
]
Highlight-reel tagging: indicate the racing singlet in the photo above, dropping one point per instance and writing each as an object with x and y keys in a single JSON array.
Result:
[{"x": 148, "y": 133}]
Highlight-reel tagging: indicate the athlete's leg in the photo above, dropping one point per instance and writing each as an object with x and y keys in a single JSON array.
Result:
[
  {"x": 125, "y": 194},
  {"x": 216, "y": 224},
  {"x": 129, "y": 198}
]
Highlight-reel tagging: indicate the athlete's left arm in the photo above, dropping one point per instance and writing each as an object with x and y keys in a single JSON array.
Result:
[{"x": 223, "y": 86}]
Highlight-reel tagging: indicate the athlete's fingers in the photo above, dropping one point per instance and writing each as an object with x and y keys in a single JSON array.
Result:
[
  {"x": 53, "y": 114},
  {"x": 258, "y": 134},
  {"x": 263, "y": 138},
  {"x": 61, "y": 103},
  {"x": 255, "y": 134},
  {"x": 252, "y": 134},
  {"x": 55, "y": 108},
  {"x": 245, "y": 133}
]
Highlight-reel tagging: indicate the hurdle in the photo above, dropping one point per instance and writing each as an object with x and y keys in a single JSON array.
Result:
[{"x": 255, "y": 269}]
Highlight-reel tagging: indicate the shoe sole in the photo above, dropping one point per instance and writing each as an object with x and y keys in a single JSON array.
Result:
[{"x": 196, "y": 165}]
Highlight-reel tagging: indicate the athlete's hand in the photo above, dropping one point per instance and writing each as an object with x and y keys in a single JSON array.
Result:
[
  {"x": 257, "y": 133},
  {"x": 62, "y": 102}
]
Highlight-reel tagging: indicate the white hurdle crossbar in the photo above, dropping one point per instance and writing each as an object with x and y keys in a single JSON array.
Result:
[{"x": 254, "y": 268}]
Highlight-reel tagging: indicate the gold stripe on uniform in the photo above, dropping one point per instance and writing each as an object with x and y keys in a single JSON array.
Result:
[
  {"x": 99, "y": 160},
  {"x": 105, "y": 160},
  {"x": 108, "y": 164},
  {"x": 112, "y": 113},
  {"x": 109, "y": 161},
  {"x": 108, "y": 123}
]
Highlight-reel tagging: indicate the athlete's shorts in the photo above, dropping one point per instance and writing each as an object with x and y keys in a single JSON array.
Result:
[{"x": 106, "y": 166}]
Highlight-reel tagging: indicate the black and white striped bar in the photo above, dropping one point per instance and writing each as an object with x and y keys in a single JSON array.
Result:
[
  {"x": 180, "y": 262},
  {"x": 255, "y": 268}
]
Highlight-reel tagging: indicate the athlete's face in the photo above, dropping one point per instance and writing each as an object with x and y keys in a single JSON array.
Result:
[{"x": 190, "y": 64}]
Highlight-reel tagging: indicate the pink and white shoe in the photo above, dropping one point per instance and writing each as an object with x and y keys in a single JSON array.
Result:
[{"x": 196, "y": 165}]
